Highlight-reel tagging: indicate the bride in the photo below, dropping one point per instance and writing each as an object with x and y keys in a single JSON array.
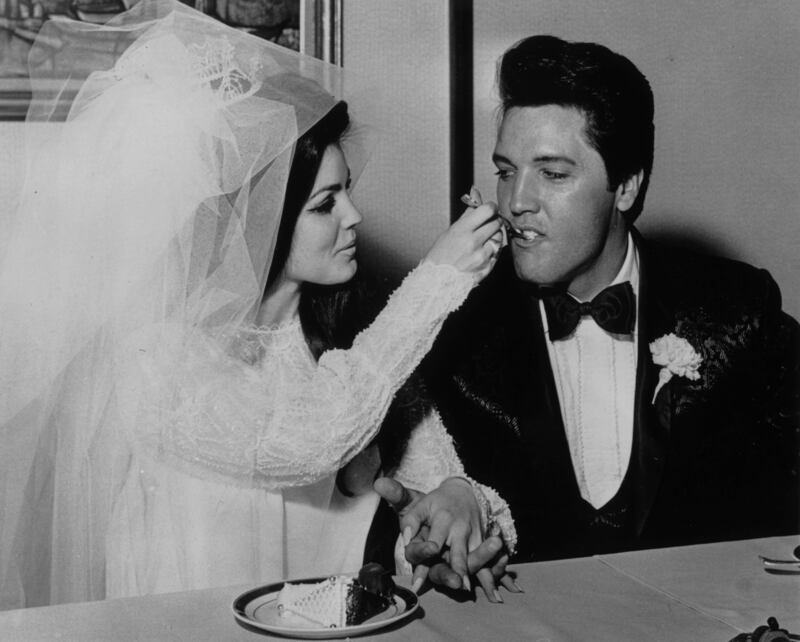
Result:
[{"x": 179, "y": 392}]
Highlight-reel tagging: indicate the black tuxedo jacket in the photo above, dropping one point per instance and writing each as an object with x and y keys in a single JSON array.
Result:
[{"x": 712, "y": 459}]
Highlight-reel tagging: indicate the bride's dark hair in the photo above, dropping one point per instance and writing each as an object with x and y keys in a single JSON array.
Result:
[
  {"x": 332, "y": 315},
  {"x": 327, "y": 312}
]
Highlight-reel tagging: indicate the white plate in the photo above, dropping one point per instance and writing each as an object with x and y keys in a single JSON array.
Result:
[{"x": 258, "y": 608}]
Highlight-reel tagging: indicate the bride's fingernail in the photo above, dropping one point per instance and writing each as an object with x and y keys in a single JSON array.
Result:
[
  {"x": 517, "y": 586},
  {"x": 417, "y": 584},
  {"x": 498, "y": 597},
  {"x": 406, "y": 535},
  {"x": 473, "y": 199},
  {"x": 466, "y": 583}
]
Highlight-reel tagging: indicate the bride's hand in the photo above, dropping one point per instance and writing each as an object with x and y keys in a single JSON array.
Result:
[
  {"x": 443, "y": 535},
  {"x": 488, "y": 563},
  {"x": 471, "y": 243},
  {"x": 453, "y": 520}
]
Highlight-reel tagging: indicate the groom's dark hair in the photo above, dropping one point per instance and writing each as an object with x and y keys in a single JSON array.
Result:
[{"x": 607, "y": 88}]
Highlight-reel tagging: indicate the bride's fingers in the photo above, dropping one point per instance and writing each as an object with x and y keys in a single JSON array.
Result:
[
  {"x": 458, "y": 542},
  {"x": 484, "y": 553},
  {"x": 510, "y": 584},
  {"x": 443, "y": 575},
  {"x": 488, "y": 585},
  {"x": 507, "y": 578},
  {"x": 474, "y": 219},
  {"x": 398, "y": 496},
  {"x": 498, "y": 239},
  {"x": 499, "y": 566},
  {"x": 421, "y": 551},
  {"x": 473, "y": 199},
  {"x": 440, "y": 528},
  {"x": 488, "y": 231},
  {"x": 418, "y": 577}
]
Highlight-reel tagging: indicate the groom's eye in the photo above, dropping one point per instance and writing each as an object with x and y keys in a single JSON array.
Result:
[
  {"x": 554, "y": 175},
  {"x": 503, "y": 174}
]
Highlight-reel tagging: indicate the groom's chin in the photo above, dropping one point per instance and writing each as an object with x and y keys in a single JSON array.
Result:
[{"x": 531, "y": 270}]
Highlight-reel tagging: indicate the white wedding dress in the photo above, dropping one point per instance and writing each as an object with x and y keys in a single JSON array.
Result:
[
  {"x": 152, "y": 440},
  {"x": 234, "y": 457}
]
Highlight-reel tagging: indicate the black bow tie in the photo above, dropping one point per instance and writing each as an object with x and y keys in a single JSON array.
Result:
[{"x": 614, "y": 310}]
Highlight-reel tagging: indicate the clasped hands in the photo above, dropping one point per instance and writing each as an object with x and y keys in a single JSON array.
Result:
[{"x": 444, "y": 539}]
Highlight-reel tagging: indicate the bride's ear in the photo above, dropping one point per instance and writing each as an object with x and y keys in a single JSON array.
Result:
[{"x": 627, "y": 191}]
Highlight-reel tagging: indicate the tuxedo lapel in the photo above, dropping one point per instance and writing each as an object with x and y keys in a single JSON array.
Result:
[
  {"x": 541, "y": 415},
  {"x": 651, "y": 430}
]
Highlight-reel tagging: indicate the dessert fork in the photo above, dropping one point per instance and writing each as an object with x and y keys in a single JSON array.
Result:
[{"x": 474, "y": 199}]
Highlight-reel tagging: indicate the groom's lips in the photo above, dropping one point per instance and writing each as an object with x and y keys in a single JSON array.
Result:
[{"x": 522, "y": 233}]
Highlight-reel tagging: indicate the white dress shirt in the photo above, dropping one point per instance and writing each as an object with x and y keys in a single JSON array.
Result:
[{"x": 595, "y": 376}]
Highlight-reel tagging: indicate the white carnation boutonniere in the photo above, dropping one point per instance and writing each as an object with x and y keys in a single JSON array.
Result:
[{"x": 677, "y": 357}]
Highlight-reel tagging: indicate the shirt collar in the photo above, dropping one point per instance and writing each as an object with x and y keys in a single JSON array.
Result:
[
  {"x": 629, "y": 270},
  {"x": 630, "y": 266}
]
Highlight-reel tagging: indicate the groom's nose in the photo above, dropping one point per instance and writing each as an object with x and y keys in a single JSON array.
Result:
[{"x": 524, "y": 193}]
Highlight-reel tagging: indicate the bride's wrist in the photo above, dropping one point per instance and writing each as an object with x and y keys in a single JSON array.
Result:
[{"x": 496, "y": 518}]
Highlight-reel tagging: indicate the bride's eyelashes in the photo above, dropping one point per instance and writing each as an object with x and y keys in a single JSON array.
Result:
[{"x": 326, "y": 207}]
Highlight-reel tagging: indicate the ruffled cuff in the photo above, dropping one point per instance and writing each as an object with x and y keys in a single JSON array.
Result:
[
  {"x": 496, "y": 519},
  {"x": 401, "y": 565},
  {"x": 496, "y": 516}
]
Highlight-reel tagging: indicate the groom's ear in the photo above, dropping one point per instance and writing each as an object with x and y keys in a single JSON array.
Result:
[{"x": 627, "y": 191}]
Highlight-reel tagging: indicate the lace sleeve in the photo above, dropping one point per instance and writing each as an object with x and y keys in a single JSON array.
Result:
[
  {"x": 431, "y": 457},
  {"x": 252, "y": 430}
]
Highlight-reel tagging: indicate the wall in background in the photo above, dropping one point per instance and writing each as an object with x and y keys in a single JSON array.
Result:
[
  {"x": 724, "y": 73},
  {"x": 397, "y": 52},
  {"x": 727, "y": 89}
]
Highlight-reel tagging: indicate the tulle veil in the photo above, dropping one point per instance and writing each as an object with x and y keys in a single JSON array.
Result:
[{"x": 157, "y": 154}]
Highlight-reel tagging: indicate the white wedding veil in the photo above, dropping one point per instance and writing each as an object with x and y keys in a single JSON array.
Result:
[{"x": 157, "y": 154}]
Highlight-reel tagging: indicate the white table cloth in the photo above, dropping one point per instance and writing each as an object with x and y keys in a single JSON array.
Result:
[{"x": 708, "y": 592}]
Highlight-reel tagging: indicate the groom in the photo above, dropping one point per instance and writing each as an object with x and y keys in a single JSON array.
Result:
[{"x": 618, "y": 394}]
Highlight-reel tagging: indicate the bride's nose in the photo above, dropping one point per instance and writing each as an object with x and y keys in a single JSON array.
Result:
[{"x": 350, "y": 216}]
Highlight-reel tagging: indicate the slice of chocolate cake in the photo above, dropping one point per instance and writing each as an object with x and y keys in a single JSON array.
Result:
[{"x": 340, "y": 600}]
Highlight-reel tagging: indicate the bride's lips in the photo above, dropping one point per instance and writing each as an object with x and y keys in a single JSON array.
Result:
[{"x": 350, "y": 246}]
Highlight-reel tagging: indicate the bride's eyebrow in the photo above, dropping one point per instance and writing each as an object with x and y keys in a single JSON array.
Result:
[{"x": 333, "y": 187}]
